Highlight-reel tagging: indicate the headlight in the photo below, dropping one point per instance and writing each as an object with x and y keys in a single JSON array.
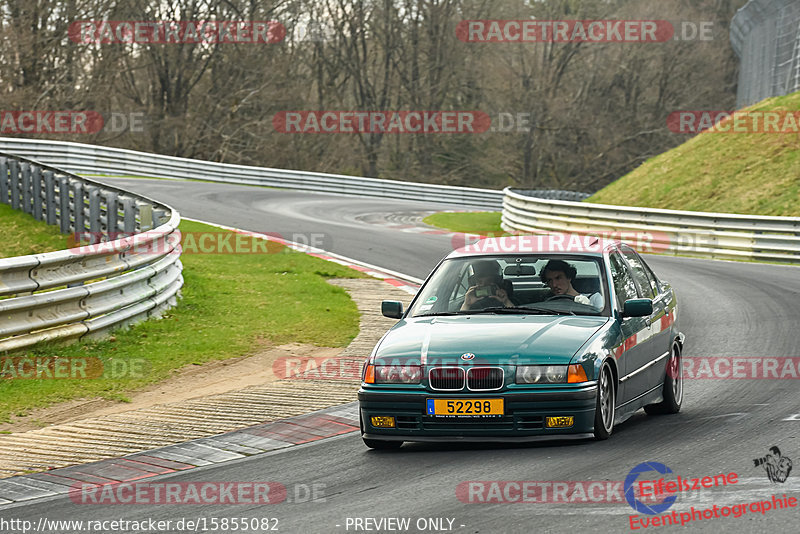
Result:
[
  {"x": 541, "y": 374},
  {"x": 550, "y": 374},
  {"x": 398, "y": 374}
]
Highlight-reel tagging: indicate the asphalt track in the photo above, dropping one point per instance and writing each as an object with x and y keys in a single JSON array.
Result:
[{"x": 727, "y": 309}]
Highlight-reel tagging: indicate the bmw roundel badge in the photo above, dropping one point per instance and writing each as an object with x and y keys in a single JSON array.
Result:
[{"x": 467, "y": 356}]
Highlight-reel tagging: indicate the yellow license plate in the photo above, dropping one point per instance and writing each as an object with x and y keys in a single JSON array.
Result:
[
  {"x": 465, "y": 407},
  {"x": 560, "y": 422}
]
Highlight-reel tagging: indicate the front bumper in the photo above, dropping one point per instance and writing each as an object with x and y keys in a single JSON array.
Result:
[{"x": 524, "y": 418}]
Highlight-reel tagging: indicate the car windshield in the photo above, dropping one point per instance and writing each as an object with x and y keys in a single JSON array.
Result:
[{"x": 541, "y": 284}]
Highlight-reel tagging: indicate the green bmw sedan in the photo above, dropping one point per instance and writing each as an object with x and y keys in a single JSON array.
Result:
[{"x": 521, "y": 338}]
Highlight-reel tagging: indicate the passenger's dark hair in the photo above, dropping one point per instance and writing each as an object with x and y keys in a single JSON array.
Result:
[
  {"x": 560, "y": 265},
  {"x": 486, "y": 268}
]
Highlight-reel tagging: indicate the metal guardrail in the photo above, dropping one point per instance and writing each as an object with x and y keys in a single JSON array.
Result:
[
  {"x": 85, "y": 291},
  {"x": 92, "y": 159},
  {"x": 707, "y": 235},
  {"x": 553, "y": 194}
]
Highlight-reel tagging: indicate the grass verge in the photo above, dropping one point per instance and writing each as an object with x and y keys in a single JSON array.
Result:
[
  {"x": 756, "y": 174},
  {"x": 232, "y": 305},
  {"x": 479, "y": 222},
  {"x": 23, "y": 235}
]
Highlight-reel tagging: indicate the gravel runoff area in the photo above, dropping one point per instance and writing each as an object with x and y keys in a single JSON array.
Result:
[{"x": 112, "y": 436}]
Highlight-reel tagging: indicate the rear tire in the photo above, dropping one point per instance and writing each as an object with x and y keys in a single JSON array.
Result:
[
  {"x": 380, "y": 444},
  {"x": 604, "y": 411},
  {"x": 673, "y": 387}
]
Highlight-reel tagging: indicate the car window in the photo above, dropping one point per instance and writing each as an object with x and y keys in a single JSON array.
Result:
[
  {"x": 624, "y": 286},
  {"x": 652, "y": 276},
  {"x": 460, "y": 288},
  {"x": 646, "y": 283},
  {"x": 519, "y": 277}
]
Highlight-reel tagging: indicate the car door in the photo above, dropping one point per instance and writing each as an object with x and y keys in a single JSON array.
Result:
[
  {"x": 657, "y": 334},
  {"x": 632, "y": 355}
]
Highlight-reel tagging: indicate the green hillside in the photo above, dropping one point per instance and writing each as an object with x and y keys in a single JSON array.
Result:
[{"x": 724, "y": 172}]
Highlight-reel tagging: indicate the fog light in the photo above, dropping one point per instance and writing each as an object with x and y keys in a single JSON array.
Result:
[
  {"x": 562, "y": 421},
  {"x": 382, "y": 421}
]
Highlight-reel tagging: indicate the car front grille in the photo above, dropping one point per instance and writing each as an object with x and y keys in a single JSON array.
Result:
[
  {"x": 476, "y": 378},
  {"x": 484, "y": 378},
  {"x": 446, "y": 378}
]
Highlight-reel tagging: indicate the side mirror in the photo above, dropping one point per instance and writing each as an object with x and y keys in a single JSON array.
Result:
[
  {"x": 392, "y": 308},
  {"x": 637, "y": 308}
]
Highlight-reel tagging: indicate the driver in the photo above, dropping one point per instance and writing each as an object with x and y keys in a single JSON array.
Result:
[
  {"x": 558, "y": 276},
  {"x": 487, "y": 287}
]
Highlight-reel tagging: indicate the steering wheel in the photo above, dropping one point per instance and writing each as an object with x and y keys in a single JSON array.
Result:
[{"x": 562, "y": 297}]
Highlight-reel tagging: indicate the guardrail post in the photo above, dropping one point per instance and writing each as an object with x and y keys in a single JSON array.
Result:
[
  {"x": 129, "y": 219},
  {"x": 13, "y": 178},
  {"x": 158, "y": 215},
  {"x": 4, "y": 180},
  {"x": 78, "y": 207},
  {"x": 145, "y": 216},
  {"x": 36, "y": 191},
  {"x": 49, "y": 197},
  {"x": 25, "y": 171},
  {"x": 63, "y": 201},
  {"x": 112, "y": 217},
  {"x": 95, "y": 224}
]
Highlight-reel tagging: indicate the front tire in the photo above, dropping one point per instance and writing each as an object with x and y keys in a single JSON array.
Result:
[
  {"x": 605, "y": 410},
  {"x": 380, "y": 444},
  {"x": 673, "y": 387}
]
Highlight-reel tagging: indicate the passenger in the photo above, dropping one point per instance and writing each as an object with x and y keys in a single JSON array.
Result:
[
  {"x": 487, "y": 287},
  {"x": 558, "y": 276}
]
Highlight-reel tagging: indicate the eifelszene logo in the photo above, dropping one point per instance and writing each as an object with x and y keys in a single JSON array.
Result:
[
  {"x": 776, "y": 465},
  {"x": 630, "y": 485}
]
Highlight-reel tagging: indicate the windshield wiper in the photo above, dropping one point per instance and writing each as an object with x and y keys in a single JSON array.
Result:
[
  {"x": 556, "y": 312},
  {"x": 518, "y": 309},
  {"x": 438, "y": 314}
]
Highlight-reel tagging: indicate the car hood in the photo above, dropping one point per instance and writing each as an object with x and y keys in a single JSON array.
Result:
[{"x": 497, "y": 339}]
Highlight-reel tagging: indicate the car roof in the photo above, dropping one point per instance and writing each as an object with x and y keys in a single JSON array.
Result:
[{"x": 553, "y": 243}]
